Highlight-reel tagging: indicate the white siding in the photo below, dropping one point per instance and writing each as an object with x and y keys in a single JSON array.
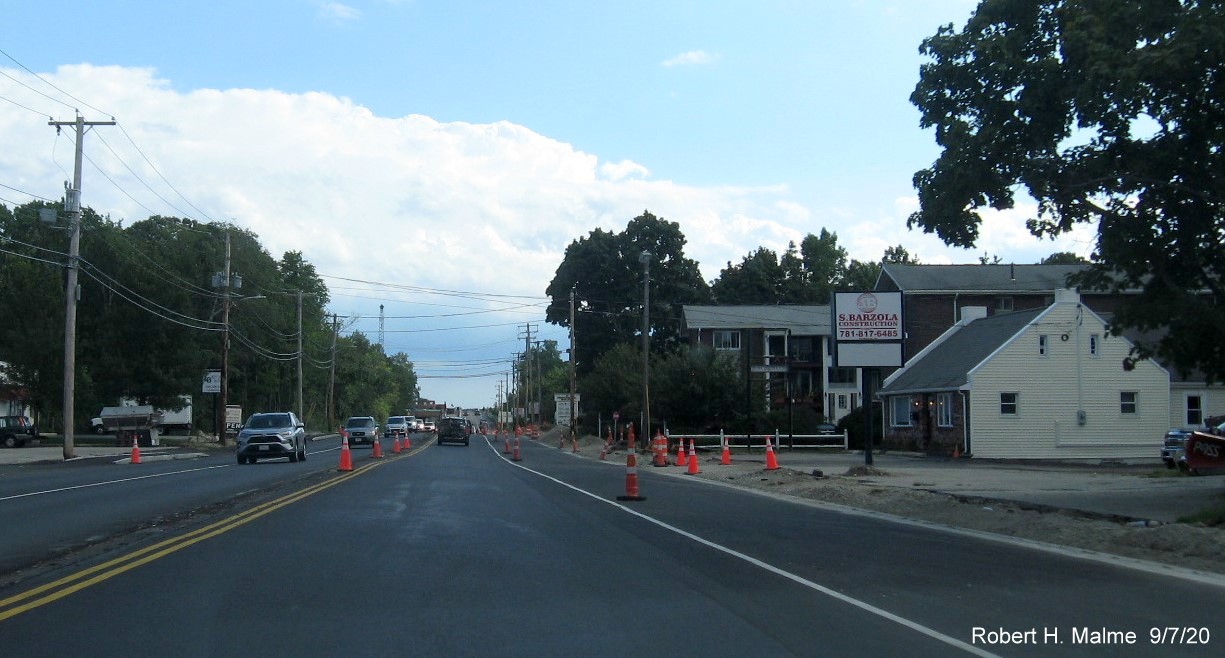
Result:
[
  {"x": 1052, "y": 388},
  {"x": 1212, "y": 399}
]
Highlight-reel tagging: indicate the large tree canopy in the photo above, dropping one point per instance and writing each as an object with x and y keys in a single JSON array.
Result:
[
  {"x": 1103, "y": 111},
  {"x": 604, "y": 271}
]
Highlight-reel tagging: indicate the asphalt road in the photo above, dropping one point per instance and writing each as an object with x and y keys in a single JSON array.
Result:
[{"x": 457, "y": 551}]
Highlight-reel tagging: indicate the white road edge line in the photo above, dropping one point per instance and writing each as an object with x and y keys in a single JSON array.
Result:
[{"x": 862, "y": 605}]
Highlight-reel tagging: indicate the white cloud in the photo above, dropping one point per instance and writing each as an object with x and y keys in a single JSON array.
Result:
[
  {"x": 338, "y": 11},
  {"x": 616, "y": 171},
  {"x": 690, "y": 58},
  {"x": 410, "y": 200}
]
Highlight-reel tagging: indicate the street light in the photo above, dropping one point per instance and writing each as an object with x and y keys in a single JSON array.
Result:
[{"x": 645, "y": 259}]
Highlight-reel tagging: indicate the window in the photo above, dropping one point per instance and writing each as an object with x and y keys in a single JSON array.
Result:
[
  {"x": 1127, "y": 402},
  {"x": 1195, "y": 411},
  {"x": 1042, "y": 342},
  {"x": 1094, "y": 340},
  {"x": 727, "y": 340},
  {"x": 842, "y": 400},
  {"x": 899, "y": 407},
  {"x": 1008, "y": 403},
  {"x": 944, "y": 409},
  {"x": 803, "y": 349},
  {"x": 1003, "y": 304},
  {"x": 842, "y": 376}
]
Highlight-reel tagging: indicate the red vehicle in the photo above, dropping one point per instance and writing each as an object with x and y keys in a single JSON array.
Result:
[{"x": 1206, "y": 450}]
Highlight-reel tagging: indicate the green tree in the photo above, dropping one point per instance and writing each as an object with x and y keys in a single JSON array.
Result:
[
  {"x": 1110, "y": 113},
  {"x": 604, "y": 271},
  {"x": 756, "y": 280},
  {"x": 1063, "y": 258},
  {"x": 825, "y": 266}
]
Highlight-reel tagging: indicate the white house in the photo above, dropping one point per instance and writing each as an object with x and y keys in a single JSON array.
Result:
[{"x": 1044, "y": 383}]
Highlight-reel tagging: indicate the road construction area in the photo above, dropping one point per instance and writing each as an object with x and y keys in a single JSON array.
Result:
[{"x": 1125, "y": 510}]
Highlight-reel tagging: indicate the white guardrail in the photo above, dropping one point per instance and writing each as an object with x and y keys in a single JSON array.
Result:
[{"x": 777, "y": 440}]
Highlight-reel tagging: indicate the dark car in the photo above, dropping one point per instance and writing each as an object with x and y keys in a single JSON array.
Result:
[
  {"x": 268, "y": 435},
  {"x": 396, "y": 426},
  {"x": 15, "y": 431},
  {"x": 361, "y": 429},
  {"x": 453, "y": 429}
]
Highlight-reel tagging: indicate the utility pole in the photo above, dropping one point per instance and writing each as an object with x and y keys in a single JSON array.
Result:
[
  {"x": 573, "y": 429},
  {"x": 332, "y": 376},
  {"x": 72, "y": 203},
  {"x": 645, "y": 259},
  {"x": 301, "y": 410},
  {"x": 225, "y": 345}
]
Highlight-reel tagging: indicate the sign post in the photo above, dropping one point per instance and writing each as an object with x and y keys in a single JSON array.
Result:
[{"x": 868, "y": 335}]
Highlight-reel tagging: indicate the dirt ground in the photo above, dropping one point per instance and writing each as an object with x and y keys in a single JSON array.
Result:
[{"x": 1178, "y": 544}]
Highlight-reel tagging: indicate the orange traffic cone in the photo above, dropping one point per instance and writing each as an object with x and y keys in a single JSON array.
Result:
[
  {"x": 408, "y": 443},
  {"x": 135, "y": 450},
  {"x": 395, "y": 445},
  {"x": 681, "y": 460},
  {"x": 604, "y": 452},
  {"x": 957, "y": 451},
  {"x": 694, "y": 469},
  {"x": 377, "y": 452},
  {"x": 726, "y": 459},
  {"x": 771, "y": 460},
  {"x": 346, "y": 460},
  {"x": 631, "y": 478}
]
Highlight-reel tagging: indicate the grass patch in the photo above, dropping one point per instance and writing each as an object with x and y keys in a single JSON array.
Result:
[
  {"x": 1166, "y": 473},
  {"x": 1213, "y": 516}
]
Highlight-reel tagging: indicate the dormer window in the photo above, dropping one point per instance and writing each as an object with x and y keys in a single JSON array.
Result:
[{"x": 1003, "y": 304}]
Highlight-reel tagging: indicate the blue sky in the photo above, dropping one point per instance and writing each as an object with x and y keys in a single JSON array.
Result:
[{"x": 462, "y": 145}]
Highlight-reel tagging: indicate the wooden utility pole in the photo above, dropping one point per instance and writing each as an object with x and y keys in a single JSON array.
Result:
[
  {"x": 332, "y": 376},
  {"x": 573, "y": 429},
  {"x": 72, "y": 204},
  {"x": 301, "y": 410}
]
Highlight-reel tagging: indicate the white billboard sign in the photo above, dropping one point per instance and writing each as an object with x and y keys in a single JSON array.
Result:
[{"x": 868, "y": 329}]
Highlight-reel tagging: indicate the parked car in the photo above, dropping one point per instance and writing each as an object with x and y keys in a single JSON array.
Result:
[
  {"x": 1173, "y": 449},
  {"x": 453, "y": 429},
  {"x": 396, "y": 426},
  {"x": 15, "y": 431},
  {"x": 361, "y": 429},
  {"x": 268, "y": 435}
]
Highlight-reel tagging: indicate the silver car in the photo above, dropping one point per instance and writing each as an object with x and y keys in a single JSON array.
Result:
[{"x": 268, "y": 435}]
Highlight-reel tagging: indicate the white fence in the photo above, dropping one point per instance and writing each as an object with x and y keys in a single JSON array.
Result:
[{"x": 759, "y": 440}]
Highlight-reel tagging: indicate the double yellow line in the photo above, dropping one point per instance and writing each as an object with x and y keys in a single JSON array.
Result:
[{"x": 53, "y": 591}]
